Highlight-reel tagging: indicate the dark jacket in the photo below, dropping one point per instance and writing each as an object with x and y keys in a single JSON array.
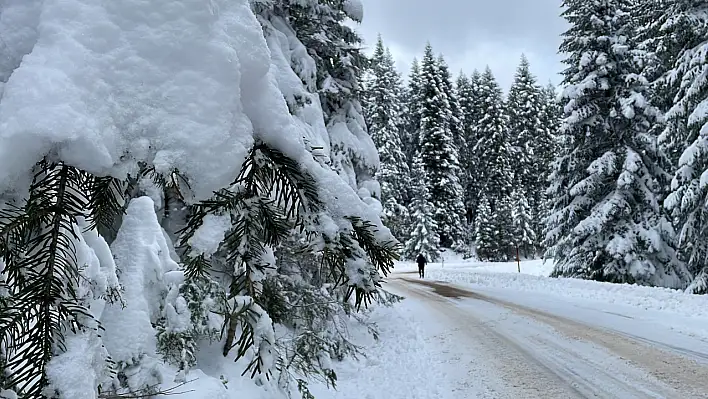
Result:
[{"x": 421, "y": 260}]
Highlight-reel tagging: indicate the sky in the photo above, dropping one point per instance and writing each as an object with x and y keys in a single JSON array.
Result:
[{"x": 470, "y": 34}]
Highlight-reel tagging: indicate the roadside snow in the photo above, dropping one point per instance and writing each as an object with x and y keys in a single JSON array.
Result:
[
  {"x": 405, "y": 363},
  {"x": 532, "y": 279}
]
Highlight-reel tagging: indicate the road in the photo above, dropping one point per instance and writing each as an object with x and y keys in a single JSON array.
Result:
[{"x": 502, "y": 350}]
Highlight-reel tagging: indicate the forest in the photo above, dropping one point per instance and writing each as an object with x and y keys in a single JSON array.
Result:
[{"x": 182, "y": 182}]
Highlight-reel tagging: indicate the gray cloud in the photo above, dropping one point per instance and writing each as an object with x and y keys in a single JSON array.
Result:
[{"x": 471, "y": 33}]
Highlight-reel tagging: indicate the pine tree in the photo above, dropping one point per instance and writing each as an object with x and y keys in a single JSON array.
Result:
[
  {"x": 424, "y": 238},
  {"x": 494, "y": 154},
  {"x": 335, "y": 49},
  {"x": 547, "y": 147},
  {"x": 66, "y": 274},
  {"x": 455, "y": 110},
  {"x": 467, "y": 156},
  {"x": 524, "y": 236},
  {"x": 413, "y": 107},
  {"x": 607, "y": 223},
  {"x": 683, "y": 37},
  {"x": 439, "y": 154},
  {"x": 484, "y": 231},
  {"x": 470, "y": 107},
  {"x": 524, "y": 110},
  {"x": 384, "y": 114}
]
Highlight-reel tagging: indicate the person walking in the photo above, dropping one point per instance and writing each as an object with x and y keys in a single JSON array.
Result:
[{"x": 421, "y": 265}]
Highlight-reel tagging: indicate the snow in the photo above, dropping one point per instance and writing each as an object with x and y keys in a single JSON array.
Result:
[
  {"x": 406, "y": 362},
  {"x": 503, "y": 277},
  {"x": 142, "y": 257},
  {"x": 152, "y": 74},
  {"x": 72, "y": 373},
  {"x": 673, "y": 310},
  {"x": 354, "y": 9},
  {"x": 210, "y": 234},
  {"x": 76, "y": 371}
]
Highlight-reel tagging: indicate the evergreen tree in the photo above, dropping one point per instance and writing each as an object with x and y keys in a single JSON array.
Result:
[
  {"x": 66, "y": 275},
  {"x": 466, "y": 153},
  {"x": 607, "y": 223},
  {"x": 685, "y": 34},
  {"x": 384, "y": 114},
  {"x": 335, "y": 48},
  {"x": 524, "y": 108},
  {"x": 455, "y": 110},
  {"x": 470, "y": 106},
  {"x": 413, "y": 107},
  {"x": 424, "y": 238},
  {"x": 547, "y": 146},
  {"x": 524, "y": 235},
  {"x": 439, "y": 154},
  {"x": 494, "y": 154},
  {"x": 484, "y": 231}
]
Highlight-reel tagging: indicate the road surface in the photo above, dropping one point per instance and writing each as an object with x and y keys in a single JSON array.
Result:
[{"x": 501, "y": 350}]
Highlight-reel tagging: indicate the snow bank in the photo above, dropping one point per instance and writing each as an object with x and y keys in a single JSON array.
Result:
[
  {"x": 405, "y": 362},
  {"x": 648, "y": 298}
]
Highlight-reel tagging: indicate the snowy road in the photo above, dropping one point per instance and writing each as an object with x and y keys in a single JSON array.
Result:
[{"x": 499, "y": 349}]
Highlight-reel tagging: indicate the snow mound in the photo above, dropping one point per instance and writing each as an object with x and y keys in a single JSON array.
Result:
[{"x": 142, "y": 257}]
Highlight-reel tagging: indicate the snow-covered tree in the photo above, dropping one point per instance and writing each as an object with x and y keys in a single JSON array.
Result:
[
  {"x": 484, "y": 231},
  {"x": 413, "y": 107},
  {"x": 424, "y": 238},
  {"x": 607, "y": 222},
  {"x": 467, "y": 157},
  {"x": 524, "y": 110},
  {"x": 470, "y": 107},
  {"x": 523, "y": 234},
  {"x": 335, "y": 48},
  {"x": 455, "y": 114},
  {"x": 685, "y": 33},
  {"x": 547, "y": 146},
  {"x": 384, "y": 118},
  {"x": 439, "y": 154},
  {"x": 494, "y": 158},
  {"x": 259, "y": 171}
]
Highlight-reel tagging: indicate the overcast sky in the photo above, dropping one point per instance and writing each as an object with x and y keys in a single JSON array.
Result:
[{"x": 470, "y": 33}]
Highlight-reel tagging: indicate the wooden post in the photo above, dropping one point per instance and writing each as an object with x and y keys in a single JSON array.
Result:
[{"x": 518, "y": 260}]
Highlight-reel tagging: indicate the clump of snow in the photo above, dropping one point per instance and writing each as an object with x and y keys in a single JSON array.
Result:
[
  {"x": 19, "y": 20},
  {"x": 76, "y": 372},
  {"x": 210, "y": 234},
  {"x": 354, "y": 9},
  {"x": 142, "y": 258},
  {"x": 173, "y": 100},
  {"x": 73, "y": 372},
  {"x": 7, "y": 394}
]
